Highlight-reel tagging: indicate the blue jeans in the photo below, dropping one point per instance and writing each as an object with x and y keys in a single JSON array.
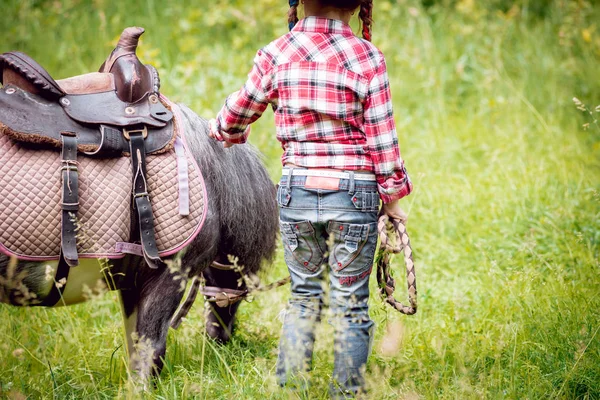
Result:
[{"x": 334, "y": 233}]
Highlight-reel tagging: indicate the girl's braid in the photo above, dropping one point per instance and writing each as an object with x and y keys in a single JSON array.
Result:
[
  {"x": 366, "y": 16},
  {"x": 293, "y": 13}
]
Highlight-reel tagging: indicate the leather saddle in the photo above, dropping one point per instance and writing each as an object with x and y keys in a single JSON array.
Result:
[{"x": 115, "y": 112}]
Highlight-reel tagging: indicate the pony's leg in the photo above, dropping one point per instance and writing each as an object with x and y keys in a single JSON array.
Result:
[
  {"x": 22, "y": 282},
  {"x": 220, "y": 320},
  {"x": 148, "y": 307}
]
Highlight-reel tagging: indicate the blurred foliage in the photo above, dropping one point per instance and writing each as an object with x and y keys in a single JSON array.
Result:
[
  {"x": 209, "y": 46},
  {"x": 504, "y": 220}
]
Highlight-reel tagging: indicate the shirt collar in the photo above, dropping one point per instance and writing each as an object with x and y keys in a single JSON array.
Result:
[{"x": 323, "y": 25}]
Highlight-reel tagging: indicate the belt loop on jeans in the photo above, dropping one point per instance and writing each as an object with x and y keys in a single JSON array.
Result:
[
  {"x": 351, "y": 184},
  {"x": 289, "y": 180}
]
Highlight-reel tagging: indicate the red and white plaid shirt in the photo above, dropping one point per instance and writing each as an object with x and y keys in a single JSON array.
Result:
[{"x": 331, "y": 96}]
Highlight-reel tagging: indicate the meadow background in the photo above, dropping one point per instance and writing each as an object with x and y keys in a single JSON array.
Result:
[{"x": 504, "y": 220}]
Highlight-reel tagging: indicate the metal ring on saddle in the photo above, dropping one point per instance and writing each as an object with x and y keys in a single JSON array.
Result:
[{"x": 127, "y": 132}]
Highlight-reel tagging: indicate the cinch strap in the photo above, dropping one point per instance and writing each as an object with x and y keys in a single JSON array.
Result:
[
  {"x": 141, "y": 199},
  {"x": 55, "y": 294},
  {"x": 129, "y": 248},
  {"x": 70, "y": 198},
  {"x": 110, "y": 143}
]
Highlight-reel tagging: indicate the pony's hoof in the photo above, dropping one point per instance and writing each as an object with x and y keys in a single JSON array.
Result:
[{"x": 216, "y": 330}]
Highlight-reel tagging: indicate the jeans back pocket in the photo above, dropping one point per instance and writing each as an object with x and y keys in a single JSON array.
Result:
[
  {"x": 353, "y": 245},
  {"x": 301, "y": 246}
]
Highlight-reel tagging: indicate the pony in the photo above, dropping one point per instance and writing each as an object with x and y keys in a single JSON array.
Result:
[{"x": 241, "y": 221}]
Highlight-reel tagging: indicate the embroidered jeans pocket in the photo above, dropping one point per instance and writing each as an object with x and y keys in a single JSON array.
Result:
[
  {"x": 352, "y": 244},
  {"x": 301, "y": 248}
]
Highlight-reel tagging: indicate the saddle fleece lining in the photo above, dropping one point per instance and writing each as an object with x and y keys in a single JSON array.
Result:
[{"x": 40, "y": 139}]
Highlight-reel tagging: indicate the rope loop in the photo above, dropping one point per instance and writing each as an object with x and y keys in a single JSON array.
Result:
[{"x": 400, "y": 242}]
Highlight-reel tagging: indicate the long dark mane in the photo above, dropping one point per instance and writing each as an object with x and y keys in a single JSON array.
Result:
[{"x": 240, "y": 192}]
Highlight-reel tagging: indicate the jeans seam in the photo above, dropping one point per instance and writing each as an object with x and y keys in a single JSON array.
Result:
[{"x": 319, "y": 247}]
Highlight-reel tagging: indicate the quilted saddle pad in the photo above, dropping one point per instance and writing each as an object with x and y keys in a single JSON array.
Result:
[{"x": 30, "y": 197}]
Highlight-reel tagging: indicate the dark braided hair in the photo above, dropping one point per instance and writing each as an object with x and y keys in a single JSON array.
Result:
[
  {"x": 293, "y": 13},
  {"x": 365, "y": 14}
]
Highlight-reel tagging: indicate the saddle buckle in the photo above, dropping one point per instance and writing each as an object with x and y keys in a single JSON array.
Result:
[{"x": 127, "y": 132}]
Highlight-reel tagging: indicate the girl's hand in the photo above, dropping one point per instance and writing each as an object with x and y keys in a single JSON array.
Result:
[
  {"x": 394, "y": 211},
  {"x": 212, "y": 129}
]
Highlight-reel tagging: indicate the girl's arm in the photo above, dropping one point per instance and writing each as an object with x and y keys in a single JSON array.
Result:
[
  {"x": 242, "y": 108},
  {"x": 382, "y": 140}
]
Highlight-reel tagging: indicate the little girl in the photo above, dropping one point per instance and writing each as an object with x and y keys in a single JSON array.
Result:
[{"x": 331, "y": 96}]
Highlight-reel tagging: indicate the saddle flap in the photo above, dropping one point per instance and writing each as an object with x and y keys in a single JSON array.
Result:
[{"x": 106, "y": 108}]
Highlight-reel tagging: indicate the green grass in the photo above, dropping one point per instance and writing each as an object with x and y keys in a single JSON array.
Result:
[{"x": 504, "y": 220}]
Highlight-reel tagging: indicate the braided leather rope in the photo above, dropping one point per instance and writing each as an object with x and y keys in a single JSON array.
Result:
[{"x": 400, "y": 242}]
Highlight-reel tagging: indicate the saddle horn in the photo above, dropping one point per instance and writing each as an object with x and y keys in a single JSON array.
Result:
[
  {"x": 133, "y": 80},
  {"x": 130, "y": 37}
]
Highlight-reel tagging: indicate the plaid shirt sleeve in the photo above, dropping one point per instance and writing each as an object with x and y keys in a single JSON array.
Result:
[
  {"x": 382, "y": 140},
  {"x": 242, "y": 107}
]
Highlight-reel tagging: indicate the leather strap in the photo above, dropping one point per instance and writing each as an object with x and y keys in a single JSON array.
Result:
[
  {"x": 110, "y": 143},
  {"x": 55, "y": 294},
  {"x": 141, "y": 198},
  {"x": 70, "y": 198},
  {"x": 223, "y": 297}
]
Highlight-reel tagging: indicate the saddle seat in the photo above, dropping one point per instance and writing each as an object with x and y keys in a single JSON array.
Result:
[
  {"x": 94, "y": 82},
  {"x": 131, "y": 79}
]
